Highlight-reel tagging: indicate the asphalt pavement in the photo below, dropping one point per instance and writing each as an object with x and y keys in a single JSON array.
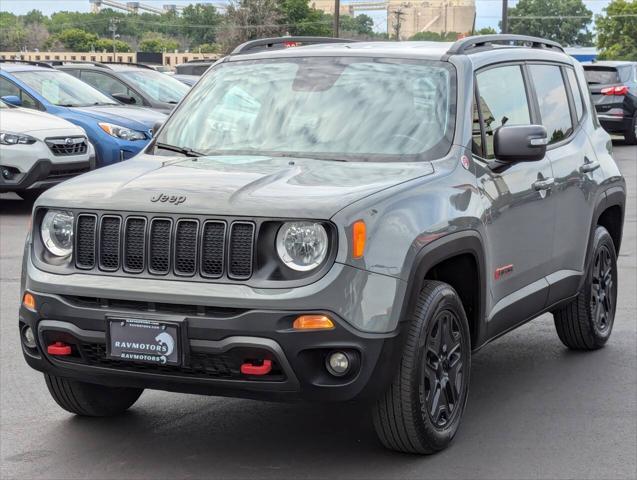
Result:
[{"x": 536, "y": 410}]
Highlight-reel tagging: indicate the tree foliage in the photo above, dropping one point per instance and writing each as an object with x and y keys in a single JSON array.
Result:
[
  {"x": 564, "y": 21},
  {"x": 436, "y": 37},
  {"x": 157, "y": 42},
  {"x": 617, "y": 32}
]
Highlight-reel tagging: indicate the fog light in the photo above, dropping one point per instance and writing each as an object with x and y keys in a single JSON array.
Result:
[
  {"x": 29, "y": 337},
  {"x": 337, "y": 363}
]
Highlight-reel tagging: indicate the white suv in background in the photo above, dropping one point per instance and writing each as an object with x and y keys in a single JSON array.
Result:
[{"x": 38, "y": 150}]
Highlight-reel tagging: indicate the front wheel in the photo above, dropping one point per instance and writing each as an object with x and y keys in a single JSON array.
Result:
[
  {"x": 587, "y": 321},
  {"x": 90, "y": 400},
  {"x": 421, "y": 410}
]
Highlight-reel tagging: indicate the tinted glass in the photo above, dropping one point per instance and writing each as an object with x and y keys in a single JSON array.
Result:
[
  {"x": 601, "y": 75},
  {"x": 577, "y": 94},
  {"x": 8, "y": 88},
  {"x": 158, "y": 86},
  {"x": 553, "y": 101},
  {"x": 109, "y": 85},
  {"x": 340, "y": 108},
  {"x": 503, "y": 100},
  {"x": 63, "y": 89}
]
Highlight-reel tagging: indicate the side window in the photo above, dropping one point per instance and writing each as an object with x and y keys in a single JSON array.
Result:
[
  {"x": 74, "y": 72},
  {"x": 109, "y": 85},
  {"x": 9, "y": 88},
  {"x": 577, "y": 94},
  {"x": 503, "y": 100},
  {"x": 553, "y": 101}
]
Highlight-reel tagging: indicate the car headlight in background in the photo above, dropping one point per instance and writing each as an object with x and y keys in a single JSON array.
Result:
[
  {"x": 120, "y": 132},
  {"x": 302, "y": 246},
  {"x": 7, "y": 138},
  {"x": 57, "y": 232}
]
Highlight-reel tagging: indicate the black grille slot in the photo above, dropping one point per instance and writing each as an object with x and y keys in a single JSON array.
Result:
[
  {"x": 67, "y": 146},
  {"x": 85, "y": 241},
  {"x": 212, "y": 249},
  {"x": 109, "y": 242},
  {"x": 159, "y": 255},
  {"x": 134, "y": 244},
  {"x": 186, "y": 247},
  {"x": 241, "y": 246}
]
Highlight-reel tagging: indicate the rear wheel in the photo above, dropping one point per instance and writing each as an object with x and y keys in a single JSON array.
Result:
[
  {"x": 631, "y": 135},
  {"x": 587, "y": 321},
  {"x": 90, "y": 400},
  {"x": 421, "y": 410}
]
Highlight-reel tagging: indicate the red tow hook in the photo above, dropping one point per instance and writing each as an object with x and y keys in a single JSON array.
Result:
[
  {"x": 59, "y": 348},
  {"x": 250, "y": 369}
]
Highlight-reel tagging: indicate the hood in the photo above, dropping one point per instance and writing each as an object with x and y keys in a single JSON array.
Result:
[
  {"x": 231, "y": 185},
  {"x": 137, "y": 118},
  {"x": 22, "y": 120}
]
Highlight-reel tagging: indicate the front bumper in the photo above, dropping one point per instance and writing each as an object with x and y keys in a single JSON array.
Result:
[
  {"x": 43, "y": 174},
  {"x": 216, "y": 341}
]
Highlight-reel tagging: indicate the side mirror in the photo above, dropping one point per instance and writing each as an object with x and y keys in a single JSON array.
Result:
[
  {"x": 13, "y": 100},
  {"x": 520, "y": 143},
  {"x": 122, "y": 97},
  {"x": 157, "y": 126}
]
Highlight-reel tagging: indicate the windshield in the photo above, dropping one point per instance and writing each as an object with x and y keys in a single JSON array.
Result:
[
  {"x": 158, "y": 86},
  {"x": 333, "y": 108},
  {"x": 63, "y": 89}
]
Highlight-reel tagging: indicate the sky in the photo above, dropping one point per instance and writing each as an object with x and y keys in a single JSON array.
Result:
[{"x": 488, "y": 11}]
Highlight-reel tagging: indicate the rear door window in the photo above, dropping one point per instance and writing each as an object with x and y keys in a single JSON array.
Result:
[
  {"x": 503, "y": 101},
  {"x": 601, "y": 75},
  {"x": 553, "y": 101},
  {"x": 577, "y": 94}
]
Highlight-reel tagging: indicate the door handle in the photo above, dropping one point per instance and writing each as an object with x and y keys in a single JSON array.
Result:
[
  {"x": 544, "y": 184},
  {"x": 589, "y": 167}
]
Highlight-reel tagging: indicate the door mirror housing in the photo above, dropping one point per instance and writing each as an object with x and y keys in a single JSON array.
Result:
[
  {"x": 12, "y": 100},
  {"x": 157, "y": 126},
  {"x": 520, "y": 143},
  {"x": 122, "y": 97}
]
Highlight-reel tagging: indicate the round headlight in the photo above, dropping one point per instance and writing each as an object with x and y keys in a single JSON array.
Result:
[
  {"x": 302, "y": 246},
  {"x": 57, "y": 232}
]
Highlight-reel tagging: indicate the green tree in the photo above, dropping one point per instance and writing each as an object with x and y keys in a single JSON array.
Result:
[
  {"x": 201, "y": 23},
  {"x": 106, "y": 44},
  {"x": 12, "y": 32},
  {"x": 208, "y": 48},
  {"x": 250, "y": 19},
  {"x": 436, "y": 37},
  {"x": 486, "y": 31},
  {"x": 34, "y": 16},
  {"x": 617, "y": 31},
  {"x": 361, "y": 25},
  {"x": 298, "y": 18},
  {"x": 157, "y": 42},
  {"x": 77, "y": 40},
  {"x": 529, "y": 17}
]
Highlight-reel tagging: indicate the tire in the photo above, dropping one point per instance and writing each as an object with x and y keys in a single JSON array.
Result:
[
  {"x": 90, "y": 400},
  {"x": 402, "y": 416},
  {"x": 30, "y": 195},
  {"x": 587, "y": 321},
  {"x": 631, "y": 135}
]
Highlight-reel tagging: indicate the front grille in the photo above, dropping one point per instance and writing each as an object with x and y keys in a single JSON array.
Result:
[
  {"x": 65, "y": 146},
  {"x": 162, "y": 246}
]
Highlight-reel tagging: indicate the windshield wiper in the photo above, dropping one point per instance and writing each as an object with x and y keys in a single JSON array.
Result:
[{"x": 187, "y": 151}]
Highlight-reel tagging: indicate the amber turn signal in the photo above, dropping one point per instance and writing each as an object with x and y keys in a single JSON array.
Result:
[
  {"x": 359, "y": 235},
  {"x": 28, "y": 301},
  {"x": 313, "y": 322}
]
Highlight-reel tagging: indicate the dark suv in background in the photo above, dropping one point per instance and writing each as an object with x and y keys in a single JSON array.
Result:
[
  {"x": 333, "y": 222},
  {"x": 613, "y": 86},
  {"x": 129, "y": 83}
]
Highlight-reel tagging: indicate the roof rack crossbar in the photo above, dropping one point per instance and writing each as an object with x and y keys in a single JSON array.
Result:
[
  {"x": 269, "y": 42},
  {"x": 27, "y": 62},
  {"x": 465, "y": 45}
]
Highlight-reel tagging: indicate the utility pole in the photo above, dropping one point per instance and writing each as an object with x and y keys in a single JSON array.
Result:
[
  {"x": 398, "y": 23},
  {"x": 505, "y": 16},
  {"x": 337, "y": 17},
  {"x": 113, "y": 28}
]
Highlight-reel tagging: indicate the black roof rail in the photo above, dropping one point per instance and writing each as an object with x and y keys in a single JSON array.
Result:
[
  {"x": 141, "y": 65},
  {"x": 27, "y": 62},
  {"x": 465, "y": 45},
  {"x": 201, "y": 60},
  {"x": 270, "y": 42}
]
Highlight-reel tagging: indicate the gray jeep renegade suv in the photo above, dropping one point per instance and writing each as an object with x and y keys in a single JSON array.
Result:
[{"x": 331, "y": 222}]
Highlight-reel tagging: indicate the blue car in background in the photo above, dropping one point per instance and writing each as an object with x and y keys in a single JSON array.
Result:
[{"x": 116, "y": 131}]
